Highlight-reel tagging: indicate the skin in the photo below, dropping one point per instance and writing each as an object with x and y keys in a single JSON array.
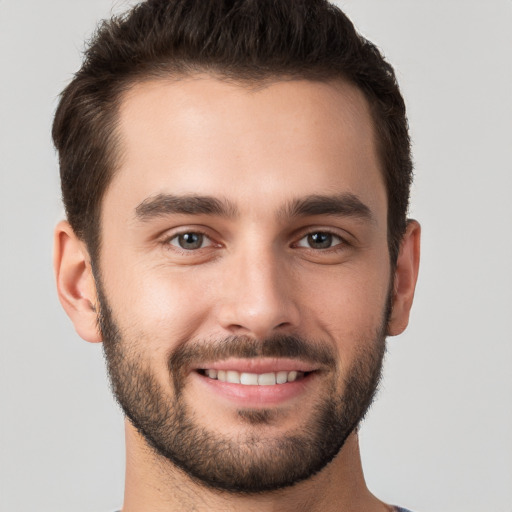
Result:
[{"x": 256, "y": 274}]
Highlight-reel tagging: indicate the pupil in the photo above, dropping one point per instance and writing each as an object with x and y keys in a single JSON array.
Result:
[
  {"x": 191, "y": 240},
  {"x": 320, "y": 240}
]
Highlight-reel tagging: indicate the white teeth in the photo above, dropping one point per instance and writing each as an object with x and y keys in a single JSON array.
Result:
[
  {"x": 233, "y": 377},
  {"x": 249, "y": 379},
  {"x": 267, "y": 379},
  {"x": 212, "y": 374},
  {"x": 254, "y": 379},
  {"x": 281, "y": 377},
  {"x": 292, "y": 376}
]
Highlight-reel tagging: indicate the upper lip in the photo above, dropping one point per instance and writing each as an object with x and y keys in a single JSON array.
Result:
[{"x": 260, "y": 365}]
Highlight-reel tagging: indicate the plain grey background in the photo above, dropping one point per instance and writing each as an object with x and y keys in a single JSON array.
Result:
[{"x": 439, "y": 438}]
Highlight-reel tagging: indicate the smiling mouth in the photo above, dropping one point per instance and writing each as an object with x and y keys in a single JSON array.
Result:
[{"x": 253, "y": 379}]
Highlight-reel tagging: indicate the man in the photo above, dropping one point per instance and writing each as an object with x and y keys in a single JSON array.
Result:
[{"x": 236, "y": 179}]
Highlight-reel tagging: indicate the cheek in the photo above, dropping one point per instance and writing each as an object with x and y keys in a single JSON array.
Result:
[
  {"x": 358, "y": 293},
  {"x": 349, "y": 306},
  {"x": 163, "y": 307}
]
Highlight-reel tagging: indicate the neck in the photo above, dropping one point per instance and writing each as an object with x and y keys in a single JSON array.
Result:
[{"x": 157, "y": 485}]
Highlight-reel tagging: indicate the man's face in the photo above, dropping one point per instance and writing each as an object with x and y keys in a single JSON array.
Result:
[{"x": 245, "y": 275}]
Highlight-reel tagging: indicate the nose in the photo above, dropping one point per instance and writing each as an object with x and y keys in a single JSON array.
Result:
[{"x": 258, "y": 295}]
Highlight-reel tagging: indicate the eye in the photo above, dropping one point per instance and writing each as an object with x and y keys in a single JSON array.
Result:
[
  {"x": 190, "y": 241},
  {"x": 320, "y": 240}
]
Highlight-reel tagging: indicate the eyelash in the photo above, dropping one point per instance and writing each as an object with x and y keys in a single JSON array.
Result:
[
  {"x": 167, "y": 241},
  {"x": 342, "y": 244}
]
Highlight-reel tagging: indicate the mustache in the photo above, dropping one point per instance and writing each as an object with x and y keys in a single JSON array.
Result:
[{"x": 194, "y": 355}]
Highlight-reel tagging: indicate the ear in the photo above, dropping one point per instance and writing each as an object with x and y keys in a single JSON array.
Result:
[
  {"x": 406, "y": 275},
  {"x": 75, "y": 282}
]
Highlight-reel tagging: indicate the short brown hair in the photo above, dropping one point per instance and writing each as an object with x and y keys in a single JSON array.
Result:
[{"x": 241, "y": 40}]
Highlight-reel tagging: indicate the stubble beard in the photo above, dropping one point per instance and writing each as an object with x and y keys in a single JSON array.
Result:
[{"x": 252, "y": 462}]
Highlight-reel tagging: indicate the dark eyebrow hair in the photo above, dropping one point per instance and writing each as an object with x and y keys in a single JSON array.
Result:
[
  {"x": 347, "y": 205},
  {"x": 165, "y": 204}
]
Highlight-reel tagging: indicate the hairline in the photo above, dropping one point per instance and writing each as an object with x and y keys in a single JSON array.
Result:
[{"x": 258, "y": 81}]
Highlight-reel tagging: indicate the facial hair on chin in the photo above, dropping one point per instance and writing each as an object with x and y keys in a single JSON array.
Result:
[{"x": 250, "y": 463}]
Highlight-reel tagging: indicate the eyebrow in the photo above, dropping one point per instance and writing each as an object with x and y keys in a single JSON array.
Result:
[
  {"x": 342, "y": 205},
  {"x": 167, "y": 204}
]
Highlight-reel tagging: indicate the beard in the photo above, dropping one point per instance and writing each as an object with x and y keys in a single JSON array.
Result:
[{"x": 253, "y": 461}]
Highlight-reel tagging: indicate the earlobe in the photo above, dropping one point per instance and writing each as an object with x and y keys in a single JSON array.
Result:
[
  {"x": 75, "y": 282},
  {"x": 406, "y": 275}
]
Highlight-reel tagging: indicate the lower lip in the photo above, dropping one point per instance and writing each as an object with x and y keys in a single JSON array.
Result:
[{"x": 257, "y": 396}]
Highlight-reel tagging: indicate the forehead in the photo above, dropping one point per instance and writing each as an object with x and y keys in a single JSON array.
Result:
[{"x": 269, "y": 144}]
